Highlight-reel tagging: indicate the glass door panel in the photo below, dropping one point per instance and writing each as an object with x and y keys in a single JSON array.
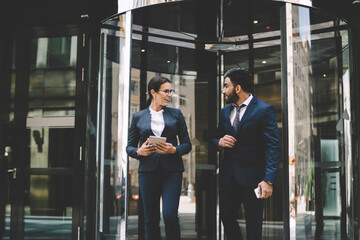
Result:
[
  {"x": 50, "y": 122},
  {"x": 8, "y": 168},
  {"x": 48, "y": 207},
  {"x": 113, "y": 110},
  {"x": 193, "y": 55},
  {"x": 261, "y": 54},
  {"x": 319, "y": 114},
  {"x": 7, "y": 174},
  {"x": 193, "y": 74},
  {"x": 37, "y": 140}
]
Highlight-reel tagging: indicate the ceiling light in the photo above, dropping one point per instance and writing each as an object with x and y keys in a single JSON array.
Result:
[
  {"x": 168, "y": 61},
  {"x": 256, "y": 21},
  {"x": 264, "y": 62},
  {"x": 143, "y": 50},
  {"x": 324, "y": 75}
]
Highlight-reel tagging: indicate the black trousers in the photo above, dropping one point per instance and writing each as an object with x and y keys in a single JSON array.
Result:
[
  {"x": 165, "y": 185},
  {"x": 231, "y": 196}
]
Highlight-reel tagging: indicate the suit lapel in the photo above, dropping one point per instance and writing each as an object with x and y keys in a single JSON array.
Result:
[
  {"x": 248, "y": 111},
  {"x": 147, "y": 121},
  {"x": 166, "y": 116},
  {"x": 227, "y": 113}
]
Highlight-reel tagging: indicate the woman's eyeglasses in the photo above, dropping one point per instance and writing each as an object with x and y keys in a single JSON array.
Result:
[{"x": 168, "y": 92}]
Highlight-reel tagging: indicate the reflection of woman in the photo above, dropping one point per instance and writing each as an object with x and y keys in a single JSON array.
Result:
[{"x": 161, "y": 166}]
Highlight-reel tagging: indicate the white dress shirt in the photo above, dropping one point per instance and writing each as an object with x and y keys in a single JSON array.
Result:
[
  {"x": 157, "y": 122},
  {"x": 242, "y": 110}
]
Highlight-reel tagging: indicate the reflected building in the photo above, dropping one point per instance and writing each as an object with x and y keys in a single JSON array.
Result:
[{"x": 72, "y": 78}]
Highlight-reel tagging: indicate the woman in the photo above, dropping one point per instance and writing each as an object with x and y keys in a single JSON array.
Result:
[{"x": 161, "y": 166}]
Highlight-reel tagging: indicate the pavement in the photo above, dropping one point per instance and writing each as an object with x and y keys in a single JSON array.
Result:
[{"x": 58, "y": 228}]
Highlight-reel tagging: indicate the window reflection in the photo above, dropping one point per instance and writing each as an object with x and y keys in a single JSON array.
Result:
[
  {"x": 48, "y": 202},
  {"x": 112, "y": 168},
  {"x": 52, "y": 77},
  {"x": 318, "y": 182},
  {"x": 50, "y": 138}
]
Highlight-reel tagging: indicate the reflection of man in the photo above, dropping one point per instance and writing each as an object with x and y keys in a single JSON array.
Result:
[{"x": 248, "y": 135}]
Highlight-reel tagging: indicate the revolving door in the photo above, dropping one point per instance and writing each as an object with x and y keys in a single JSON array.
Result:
[{"x": 299, "y": 58}]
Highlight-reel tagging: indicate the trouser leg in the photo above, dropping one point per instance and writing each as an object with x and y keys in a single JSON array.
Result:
[
  {"x": 150, "y": 187},
  {"x": 253, "y": 214},
  {"x": 170, "y": 196},
  {"x": 229, "y": 197}
]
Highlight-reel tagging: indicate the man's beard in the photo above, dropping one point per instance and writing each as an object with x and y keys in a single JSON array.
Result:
[{"x": 232, "y": 98}]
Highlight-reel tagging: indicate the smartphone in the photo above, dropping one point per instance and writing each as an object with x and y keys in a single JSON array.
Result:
[
  {"x": 257, "y": 192},
  {"x": 154, "y": 140}
]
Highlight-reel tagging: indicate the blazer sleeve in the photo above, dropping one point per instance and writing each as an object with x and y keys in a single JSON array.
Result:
[
  {"x": 272, "y": 145},
  {"x": 220, "y": 132},
  {"x": 185, "y": 145},
  {"x": 133, "y": 138}
]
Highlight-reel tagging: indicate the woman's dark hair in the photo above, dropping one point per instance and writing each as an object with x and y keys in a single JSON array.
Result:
[
  {"x": 242, "y": 77},
  {"x": 155, "y": 84}
]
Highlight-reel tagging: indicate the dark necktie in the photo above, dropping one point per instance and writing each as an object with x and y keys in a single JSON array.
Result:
[{"x": 237, "y": 116}]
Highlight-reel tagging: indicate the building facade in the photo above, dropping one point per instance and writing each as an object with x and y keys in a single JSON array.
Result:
[{"x": 73, "y": 73}]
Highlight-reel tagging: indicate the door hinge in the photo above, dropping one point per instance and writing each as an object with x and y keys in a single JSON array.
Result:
[
  {"x": 82, "y": 74},
  {"x": 84, "y": 40},
  {"x": 80, "y": 157},
  {"x": 78, "y": 235}
]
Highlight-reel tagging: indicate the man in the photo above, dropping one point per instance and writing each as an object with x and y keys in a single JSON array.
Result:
[{"x": 249, "y": 138}]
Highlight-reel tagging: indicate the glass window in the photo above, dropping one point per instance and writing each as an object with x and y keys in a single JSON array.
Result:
[
  {"x": 193, "y": 68},
  {"x": 52, "y": 77},
  {"x": 319, "y": 137},
  {"x": 259, "y": 51},
  {"x": 48, "y": 202},
  {"x": 113, "y": 125}
]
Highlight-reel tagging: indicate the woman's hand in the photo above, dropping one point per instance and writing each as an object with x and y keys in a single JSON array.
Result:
[
  {"x": 145, "y": 149},
  {"x": 165, "y": 148}
]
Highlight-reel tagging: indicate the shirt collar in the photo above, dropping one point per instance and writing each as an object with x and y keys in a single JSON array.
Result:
[
  {"x": 152, "y": 111},
  {"x": 246, "y": 102}
]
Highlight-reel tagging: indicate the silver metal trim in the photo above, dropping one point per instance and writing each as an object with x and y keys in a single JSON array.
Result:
[
  {"x": 101, "y": 136},
  {"x": 127, "y": 5},
  {"x": 52, "y": 122},
  {"x": 123, "y": 120},
  {"x": 84, "y": 40},
  {"x": 82, "y": 74},
  {"x": 80, "y": 153}
]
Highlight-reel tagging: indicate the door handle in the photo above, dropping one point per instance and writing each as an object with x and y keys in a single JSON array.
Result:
[{"x": 13, "y": 171}]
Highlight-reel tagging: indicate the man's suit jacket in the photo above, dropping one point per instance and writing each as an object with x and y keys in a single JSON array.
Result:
[
  {"x": 140, "y": 130},
  {"x": 255, "y": 156}
]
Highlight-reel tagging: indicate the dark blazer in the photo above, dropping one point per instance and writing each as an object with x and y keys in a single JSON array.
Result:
[
  {"x": 175, "y": 126},
  {"x": 255, "y": 156}
]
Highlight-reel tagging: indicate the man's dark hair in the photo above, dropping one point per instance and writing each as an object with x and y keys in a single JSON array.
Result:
[
  {"x": 155, "y": 84},
  {"x": 242, "y": 77}
]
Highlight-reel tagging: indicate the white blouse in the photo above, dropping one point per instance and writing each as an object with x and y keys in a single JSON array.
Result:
[{"x": 157, "y": 122}]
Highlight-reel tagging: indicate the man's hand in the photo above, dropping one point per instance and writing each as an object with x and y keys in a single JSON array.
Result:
[
  {"x": 145, "y": 149},
  {"x": 266, "y": 189},
  {"x": 165, "y": 148},
  {"x": 227, "y": 141}
]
